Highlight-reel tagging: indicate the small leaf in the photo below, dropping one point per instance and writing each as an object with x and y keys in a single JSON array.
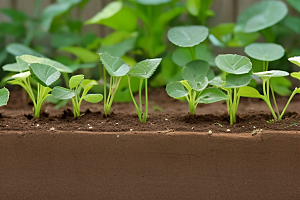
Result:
[
  {"x": 211, "y": 95},
  {"x": 115, "y": 66},
  {"x": 295, "y": 60},
  {"x": 87, "y": 84},
  {"x": 247, "y": 91},
  {"x": 217, "y": 81},
  {"x": 83, "y": 54},
  {"x": 271, "y": 73},
  {"x": 62, "y": 93},
  {"x": 145, "y": 68},
  {"x": 237, "y": 80},
  {"x": 234, "y": 64},
  {"x": 75, "y": 81},
  {"x": 4, "y": 95},
  {"x": 17, "y": 49},
  {"x": 176, "y": 90},
  {"x": 93, "y": 98},
  {"x": 265, "y": 51},
  {"x": 44, "y": 74},
  {"x": 296, "y": 75},
  {"x": 14, "y": 67},
  {"x": 187, "y": 36},
  {"x": 22, "y": 76}
]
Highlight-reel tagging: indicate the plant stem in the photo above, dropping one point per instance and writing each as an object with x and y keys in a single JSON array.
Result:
[
  {"x": 291, "y": 97},
  {"x": 193, "y": 53},
  {"x": 145, "y": 114},
  {"x": 275, "y": 103}
]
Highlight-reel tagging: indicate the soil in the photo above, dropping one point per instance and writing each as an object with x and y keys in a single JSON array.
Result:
[{"x": 165, "y": 115}]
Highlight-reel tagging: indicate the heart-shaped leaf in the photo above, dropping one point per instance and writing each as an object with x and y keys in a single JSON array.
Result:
[
  {"x": 295, "y": 60},
  {"x": 115, "y": 66},
  {"x": 233, "y": 64},
  {"x": 271, "y": 73},
  {"x": 44, "y": 74},
  {"x": 62, "y": 93},
  {"x": 264, "y": 51},
  {"x": 247, "y": 91},
  {"x": 237, "y": 80},
  {"x": 4, "y": 95},
  {"x": 261, "y": 15},
  {"x": 93, "y": 98},
  {"x": 75, "y": 81},
  {"x": 187, "y": 36},
  {"x": 176, "y": 90},
  {"x": 145, "y": 68},
  {"x": 211, "y": 95},
  {"x": 46, "y": 61}
]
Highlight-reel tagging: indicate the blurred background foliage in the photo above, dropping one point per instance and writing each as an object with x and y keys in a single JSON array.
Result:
[{"x": 74, "y": 31}]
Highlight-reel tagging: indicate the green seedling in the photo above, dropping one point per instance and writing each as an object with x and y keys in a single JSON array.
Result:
[
  {"x": 238, "y": 73},
  {"x": 116, "y": 68},
  {"x": 4, "y": 95},
  {"x": 79, "y": 88},
  {"x": 143, "y": 71},
  {"x": 196, "y": 75}
]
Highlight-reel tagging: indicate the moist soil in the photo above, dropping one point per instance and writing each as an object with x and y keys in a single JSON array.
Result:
[{"x": 165, "y": 115}]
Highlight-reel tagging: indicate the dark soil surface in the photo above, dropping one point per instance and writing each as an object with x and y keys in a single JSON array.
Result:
[{"x": 165, "y": 115}]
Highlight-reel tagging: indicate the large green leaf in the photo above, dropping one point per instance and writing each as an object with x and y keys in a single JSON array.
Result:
[
  {"x": 4, "y": 95},
  {"x": 62, "y": 93},
  {"x": 14, "y": 67},
  {"x": 265, "y": 51},
  {"x": 295, "y": 4},
  {"x": 261, "y": 15},
  {"x": 151, "y": 2},
  {"x": 75, "y": 81},
  {"x": 93, "y": 98},
  {"x": 271, "y": 73},
  {"x": 176, "y": 90},
  {"x": 145, "y": 68},
  {"x": 211, "y": 95},
  {"x": 247, "y": 91},
  {"x": 115, "y": 66},
  {"x": 17, "y": 49},
  {"x": 187, "y": 36},
  {"x": 237, "y": 80},
  {"x": 44, "y": 74},
  {"x": 46, "y": 61},
  {"x": 83, "y": 54},
  {"x": 234, "y": 64},
  {"x": 295, "y": 60}
]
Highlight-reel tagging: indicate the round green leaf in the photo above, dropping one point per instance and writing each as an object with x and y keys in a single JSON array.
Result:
[
  {"x": 17, "y": 49},
  {"x": 93, "y": 98},
  {"x": 211, "y": 95},
  {"x": 145, "y": 68},
  {"x": 62, "y": 93},
  {"x": 271, "y": 73},
  {"x": 176, "y": 90},
  {"x": 295, "y": 60},
  {"x": 75, "y": 81},
  {"x": 115, "y": 66},
  {"x": 44, "y": 74},
  {"x": 296, "y": 75},
  {"x": 187, "y": 36},
  {"x": 4, "y": 95},
  {"x": 234, "y": 64},
  {"x": 237, "y": 80},
  {"x": 247, "y": 91},
  {"x": 264, "y": 51},
  {"x": 261, "y": 15}
]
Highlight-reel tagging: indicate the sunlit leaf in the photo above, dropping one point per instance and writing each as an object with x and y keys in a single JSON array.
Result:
[
  {"x": 83, "y": 54},
  {"x": 247, "y": 91},
  {"x": 93, "y": 98},
  {"x": 62, "y": 93},
  {"x": 295, "y": 60},
  {"x": 145, "y": 68},
  {"x": 237, "y": 80},
  {"x": 234, "y": 64},
  {"x": 75, "y": 81},
  {"x": 271, "y": 73},
  {"x": 115, "y": 66},
  {"x": 44, "y": 74},
  {"x": 265, "y": 51},
  {"x": 211, "y": 95},
  {"x": 176, "y": 90},
  {"x": 4, "y": 95}
]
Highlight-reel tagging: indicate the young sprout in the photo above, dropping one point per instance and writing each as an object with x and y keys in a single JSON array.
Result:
[
  {"x": 4, "y": 95},
  {"x": 196, "y": 75},
  {"x": 116, "y": 68},
  {"x": 143, "y": 71},
  {"x": 238, "y": 73},
  {"x": 79, "y": 88}
]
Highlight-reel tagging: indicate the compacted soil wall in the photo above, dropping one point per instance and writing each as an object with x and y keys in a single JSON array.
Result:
[{"x": 176, "y": 165}]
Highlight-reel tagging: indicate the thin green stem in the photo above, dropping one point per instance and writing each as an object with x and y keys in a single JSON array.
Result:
[
  {"x": 291, "y": 97},
  {"x": 140, "y": 94},
  {"x": 133, "y": 100},
  {"x": 193, "y": 53},
  {"x": 274, "y": 99},
  {"x": 104, "y": 90},
  {"x": 145, "y": 114}
]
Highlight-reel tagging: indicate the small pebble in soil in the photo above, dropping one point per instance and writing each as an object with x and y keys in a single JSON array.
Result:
[
  {"x": 130, "y": 129},
  {"x": 192, "y": 127},
  {"x": 117, "y": 123},
  {"x": 209, "y": 132},
  {"x": 228, "y": 130},
  {"x": 166, "y": 119},
  {"x": 52, "y": 129},
  {"x": 90, "y": 127},
  {"x": 254, "y": 127},
  {"x": 37, "y": 125},
  {"x": 118, "y": 135}
]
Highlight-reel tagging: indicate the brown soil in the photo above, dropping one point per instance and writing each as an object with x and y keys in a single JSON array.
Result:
[{"x": 165, "y": 114}]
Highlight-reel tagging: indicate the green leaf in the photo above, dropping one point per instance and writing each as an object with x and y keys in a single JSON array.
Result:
[
  {"x": 247, "y": 91},
  {"x": 152, "y": 2},
  {"x": 271, "y": 73},
  {"x": 14, "y": 67},
  {"x": 46, "y": 61},
  {"x": 187, "y": 36},
  {"x": 237, "y": 80},
  {"x": 15, "y": 15},
  {"x": 296, "y": 75},
  {"x": 62, "y": 93},
  {"x": 21, "y": 76},
  {"x": 295, "y": 4},
  {"x": 234, "y": 64},
  {"x": 75, "y": 81},
  {"x": 264, "y": 51},
  {"x": 295, "y": 60},
  {"x": 4, "y": 95},
  {"x": 217, "y": 81},
  {"x": 281, "y": 85},
  {"x": 17, "y": 49},
  {"x": 93, "y": 98},
  {"x": 261, "y": 15},
  {"x": 145, "y": 68},
  {"x": 83, "y": 54},
  {"x": 87, "y": 84},
  {"x": 115, "y": 66},
  {"x": 176, "y": 90},
  {"x": 211, "y": 95},
  {"x": 44, "y": 74}
]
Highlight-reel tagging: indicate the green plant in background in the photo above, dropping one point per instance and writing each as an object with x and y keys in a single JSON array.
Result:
[
  {"x": 197, "y": 75},
  {"x": 4, "y": 95},
  {"x": 200, "y": 9},
  {"x": 143, "y": 71},
  {"x": 237, "y": 73},
  {"x": 116, "y": 68},
  {"x": 79, "y": 88}
]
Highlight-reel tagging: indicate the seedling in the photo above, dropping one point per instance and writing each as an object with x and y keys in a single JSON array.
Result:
[
  {"x": 4, "y": 95},
  {"x": 143, "y": 71},
  {"x": 116, "y": 68},
  {"x": 238, "y": 73},
  {"x": 79, "y": 88},
  {"x": 196, "y": 75}
]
